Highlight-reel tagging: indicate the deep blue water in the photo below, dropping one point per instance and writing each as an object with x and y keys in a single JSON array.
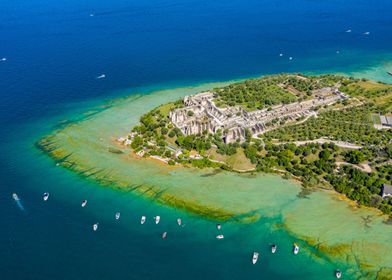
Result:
[{"x": 55, "y": 50}]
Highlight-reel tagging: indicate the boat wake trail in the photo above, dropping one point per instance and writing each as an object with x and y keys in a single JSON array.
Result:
[
  {"x": 20, "y": 205},
  {"x": 18, "y": 201}
]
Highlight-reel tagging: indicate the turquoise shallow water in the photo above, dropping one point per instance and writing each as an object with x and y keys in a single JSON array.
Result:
[
  {"x": 55, "y": 50},
  {"x": 58, "y": 234}
]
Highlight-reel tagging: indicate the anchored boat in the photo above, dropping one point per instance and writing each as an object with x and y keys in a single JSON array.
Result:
[
  {"x": 157, "y": 219},
  {"x": 84, "y": 203},
  {"x": 117, "y": 215},
  {"x": 95, "y": 227},
  {"x": 143, "y": 220},
  {"x": 255, "y": 257},
  {"x": 273, "y": 248},
  {"x": 295, "y": 249},
  {"x": 46, "y": 196}
]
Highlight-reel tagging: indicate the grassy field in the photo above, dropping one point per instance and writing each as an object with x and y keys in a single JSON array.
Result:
[
  {"x": 378, "y": 93},
  {"x": 165, "y": 108},
  {"x": 238, "y": 161}
]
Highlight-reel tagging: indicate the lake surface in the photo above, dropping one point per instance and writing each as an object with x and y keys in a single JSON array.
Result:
[{"x": 55, "y": 51}]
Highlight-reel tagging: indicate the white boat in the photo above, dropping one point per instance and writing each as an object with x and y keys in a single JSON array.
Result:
[
  {"x": 84, "y": 203},
  {"x": 15, "y": 197},
  {"x": 295, "y": 249},
  {"x": 4, "y": 59},
  {"x": 281, "y": 54},
  {"x": 338, "y": 274},
  {"x": 143, "y": 220},
  {"x": 95, "y": 227},
  {"x": 255, "y": 257},
  {"x": 157, "y": 219},
  {"x": 179, "y": 222},
  {"x": 46, "y": 196},
  {"x": 218, "y": 226},
  {"x": 273, "y": 248},
  {"x": 164, "y": 235},
  {"x": 101, "y": 76},
  {"x": 290, "y": 58},
  {"x": 117, "y": 215},
  {"x": 366, "y": 33},
  {"x": 220, "y": 236},
  {"x": 348, "y": 31}
]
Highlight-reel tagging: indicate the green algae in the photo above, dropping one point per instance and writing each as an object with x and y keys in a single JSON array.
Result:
[
  {"x": 356, "y": 237},
  {"x": 347, "y": 234}
]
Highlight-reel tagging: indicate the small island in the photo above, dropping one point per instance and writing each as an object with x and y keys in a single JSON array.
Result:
[{"x": 326, "y": 131}]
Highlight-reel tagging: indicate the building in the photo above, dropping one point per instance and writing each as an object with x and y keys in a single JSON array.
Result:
[
  {"x": 386, "y": 191},
  {"x": 201, "y": 114},
  {"x": 386, "y": 120}
]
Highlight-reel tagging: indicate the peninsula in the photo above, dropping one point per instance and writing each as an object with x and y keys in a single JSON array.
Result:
[{"x": 326, "y": 131}]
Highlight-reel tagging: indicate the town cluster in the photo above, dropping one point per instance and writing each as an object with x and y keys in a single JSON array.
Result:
[{"x": 201, "y": 114}]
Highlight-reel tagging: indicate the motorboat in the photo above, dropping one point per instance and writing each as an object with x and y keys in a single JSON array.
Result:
[
  {"x": 390, "y": 73},
  {"x": 164, "y": 235},
  {"x": 157, "y": 219},
  {"x": 143, "y": 220},
  {"x": 281, "y": 54},
  {"x": 220, "y": 236},
  {"x": 218, "y": 226},
  {"x": 290, "y": 58},
  {"x": 179, "y": 222},
  {"x": 338, "y": 274},
  {"x": 95, "y": 227},
  {"x": 117, "y": 215},
  {"x": 273, "y": 248},
  {"x": 255, "y": 257},
  {"x": 4, "y": 59},
  {"x": 84, "y": 203},
  {"x": 15, "y": 197},
  {"x": 348, "y": 31},
  {"x": 46, "y": 196},
  {"x": 366, "y": 33},
  {"x": 101, "y": 76},
  {"x": 295, "y": 248}
]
